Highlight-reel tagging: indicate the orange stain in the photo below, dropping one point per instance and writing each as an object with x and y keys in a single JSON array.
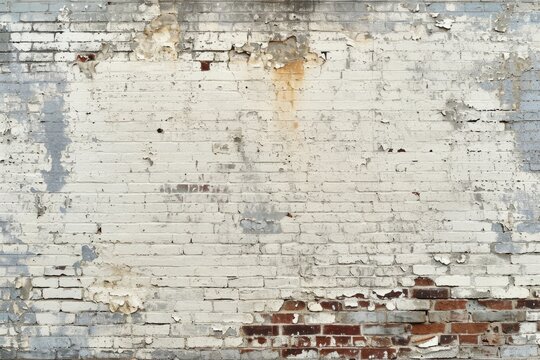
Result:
[{"x": 287, "y": 81}]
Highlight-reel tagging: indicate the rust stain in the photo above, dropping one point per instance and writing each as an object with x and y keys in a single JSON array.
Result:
[{"x": 287, "y": 81}]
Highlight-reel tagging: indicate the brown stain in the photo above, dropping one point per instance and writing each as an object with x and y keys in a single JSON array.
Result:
[{"x": 287, "y": 81}]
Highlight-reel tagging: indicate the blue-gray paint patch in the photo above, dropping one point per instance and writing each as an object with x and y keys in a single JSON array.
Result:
[
  {"x": 261, "y": 219},
  {"x": 88, "y": 253},
  {"x": 55, "y": 138},
  {"x": 52, "y": 133}
]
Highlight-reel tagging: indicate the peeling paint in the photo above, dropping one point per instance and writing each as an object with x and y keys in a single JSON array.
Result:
[
  {"x": 120, "y": 290},
  {"x": 277, "y": 54},
  {"x": 87, "y": 63},
  {"x": 160, "y": 39}
]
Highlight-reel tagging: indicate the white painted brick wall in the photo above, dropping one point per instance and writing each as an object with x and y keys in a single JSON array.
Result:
[{"x": 154, "y": 205}]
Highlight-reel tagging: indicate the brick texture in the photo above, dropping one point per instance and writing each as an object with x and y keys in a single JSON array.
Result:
[{"x": 266, "y": 179}]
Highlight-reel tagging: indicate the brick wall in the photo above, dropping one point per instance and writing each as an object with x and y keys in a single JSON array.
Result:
[{"x": 269, "y": 179}]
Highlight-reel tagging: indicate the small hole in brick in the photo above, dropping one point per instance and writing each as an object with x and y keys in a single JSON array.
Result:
[
  {"x": 160, "y": 131},
  {"x": 205, "y": 65}
]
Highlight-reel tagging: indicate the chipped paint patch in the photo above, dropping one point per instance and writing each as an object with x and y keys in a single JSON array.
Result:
[
  {"x": 87, "y": 62},
  {"x": 277, "y": 53},
  {"x": 120, "y": 291},
  {"x": 160, "y": 39}
]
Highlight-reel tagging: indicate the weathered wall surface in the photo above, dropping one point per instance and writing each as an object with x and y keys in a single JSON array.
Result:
[{"x": 267, "y": 179}]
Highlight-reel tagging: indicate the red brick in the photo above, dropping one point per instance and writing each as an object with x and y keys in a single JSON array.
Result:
[
  {"x": 205, "y": 65},
  {"x": 468, "y": 339},
  {"x": 342, "y": 340},
  {"x": 528, "y": 303},
  {"x": 451, "y": 305},
  {"x": 341, "y": 329},
  {"x": 510, "y": 328},
  {"x": 331, "y": 305},
  {"x": 381, "y": 341},
  {"x": 301, "y": 329},
  {"x": 425, "y": 329},
  {"x": 292, "y": 305},
  {"x": 323, "y": 341},
  {"x": 283, "y": 318},
  {"x": 359, "y": 341},
  {"x": 447, "y": 339},
  {"x": 469, "y": 328},
  {"x": 496, "y": 304},
  {"x": 391, "y": 294},
  {"x": 343, "y": 353},
  {"x": 423, "y": 281},
  {"x": 364, "y": 303},
  {"x": 296, "y": 351},
  {"x": 264, "y": 330},
  {"x": 375, "y": 354},
  {"x": 431, "y": 293}
]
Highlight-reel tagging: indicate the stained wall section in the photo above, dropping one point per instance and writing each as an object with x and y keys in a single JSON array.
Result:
[{"x": 269, "y": 179}]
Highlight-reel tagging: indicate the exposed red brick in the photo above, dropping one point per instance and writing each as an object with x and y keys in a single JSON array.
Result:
[
  {"x": 282, "y": 318},
  {"x": 423, "y": 281},
  {"x": 510, "y": 328},
  {"x": 292, "y": 305},
  {"x": 528, "y": 303},
  {"x": 381, "y": 341},
  {"x": 431, "y": 293},
  {"x": 323, "y": 341},
  {"x": 263, "y": 330},
  {"x": 341, "y": 329},
  {"x": 296, "y": 351},
  {"x": 261, "y": 340},
  {"x": 496, "y": 304},
  {"x": 451, "y": 305},
  {"x": 373, "y": 354},
  {"x": 363, "y": 303},
  {"x": 447, "y": 339},
  {"x": 391, "y": 294},
  {"x": 425, "y": 329},
  {"x": 342, "y": 352},
  {"x": 85, "y": 58},
  {"x": 331, "y": 305},
  {"x": 342, "y": 340},
  {"x": 301, "y": 329},
  {"x": 469, "y": 328},
  {"x": 205, "y": 65},
  {"x": 468, "y": 339}
]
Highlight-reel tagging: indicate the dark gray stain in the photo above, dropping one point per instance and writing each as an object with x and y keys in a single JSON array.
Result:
[{"x": 38, "y": 203}]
